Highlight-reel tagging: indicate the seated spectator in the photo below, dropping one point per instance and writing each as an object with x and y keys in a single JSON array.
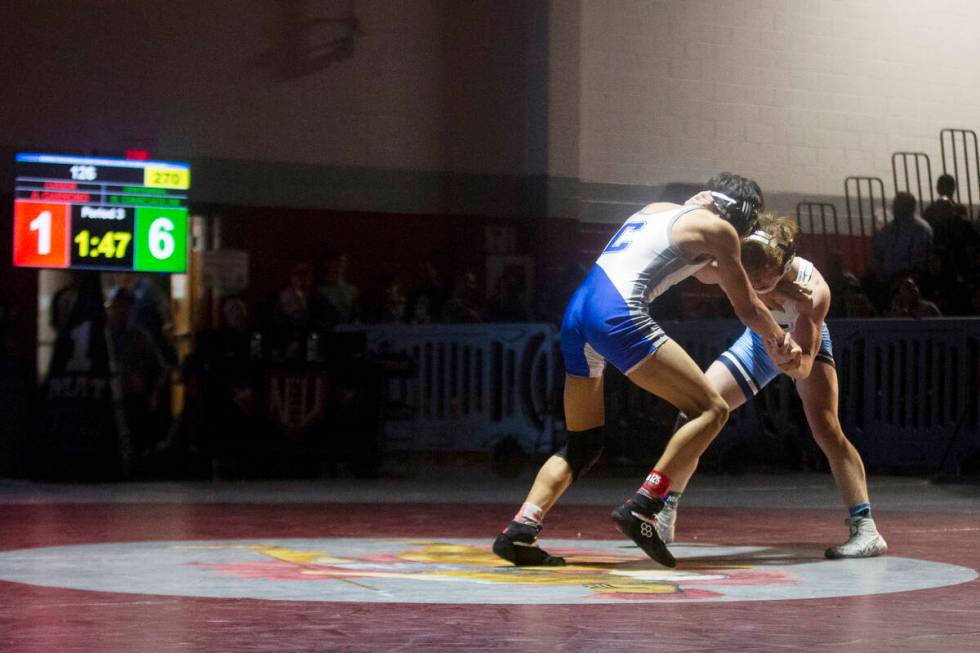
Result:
[
  {"x": 465, "y": 302},
  {"x": 425, "y": 302},
  {"x": 903, "y": 244},
  {"x": 974, "y": 290},
  {"x": 940, "y": 282},
  {"x": 552, "y": 308},
  {"x": 900, "y": 247},
  {"x": 508, "y": 302},
  {"x": 856, "y": 301},
  {"x": 387, "y": 306},
  {"x": 847, "y": 298},
  {"x": 340, "y": 299},
  {"x": 908, "y": 301}
]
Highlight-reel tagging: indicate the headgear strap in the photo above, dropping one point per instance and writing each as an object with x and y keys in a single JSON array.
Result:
[{"x": 788, "y": 250}]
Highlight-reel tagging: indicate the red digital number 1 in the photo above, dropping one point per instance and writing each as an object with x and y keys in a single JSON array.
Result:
[{"x": 41, "y": 234}]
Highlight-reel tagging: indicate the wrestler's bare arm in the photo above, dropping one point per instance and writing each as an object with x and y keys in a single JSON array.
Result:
[
  {"x": 807, "y": 329},
  {"x": 700, "y": 234},
  {"x": 708, "y": 275}
]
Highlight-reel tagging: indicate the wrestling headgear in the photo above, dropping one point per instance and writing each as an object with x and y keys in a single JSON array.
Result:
[
  {"x": 741, "y": 215},
  {"x": 788, "y": 249}
]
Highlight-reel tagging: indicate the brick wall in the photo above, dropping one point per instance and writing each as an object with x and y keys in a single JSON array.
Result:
[{"x": 797, "y": 93}]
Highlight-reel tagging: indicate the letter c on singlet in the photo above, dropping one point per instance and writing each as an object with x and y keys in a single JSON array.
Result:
[{"x": 624, "y": 237}]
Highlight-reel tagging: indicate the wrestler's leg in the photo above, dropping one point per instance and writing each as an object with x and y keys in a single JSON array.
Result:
[
  {"x": 584, "y": 418},
  {"x": 584, "y": 413},
  {"x": 738, "y": 374},
  {"x": 721, "y": 379},
  {"x": 819, "y": 394},
  {"x": 671, "y": 374}
]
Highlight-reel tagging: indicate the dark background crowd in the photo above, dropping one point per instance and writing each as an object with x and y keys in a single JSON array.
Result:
[{"x": 920, "y": 267}]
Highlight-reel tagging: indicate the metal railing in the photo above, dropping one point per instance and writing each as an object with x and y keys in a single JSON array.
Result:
[
  {"x": 818, "y": 244},
  {"x": 866, "y": 203},
  {"x": 907, "y": 169},
  {"x": 959, "y": 150}
]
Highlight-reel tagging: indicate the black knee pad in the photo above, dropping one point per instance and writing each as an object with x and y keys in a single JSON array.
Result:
[{"x": 582, "y": 450}]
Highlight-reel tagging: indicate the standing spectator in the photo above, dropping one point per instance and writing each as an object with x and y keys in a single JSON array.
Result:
[
  {"x": 7, "y": 344},
  {"x": 62, "y": 307},
  {"x": 292, "y": 316},
  {"x": 16, "y": 387},
  {"x": 945, "y": 207},
  {"x": 339, "y": 299},
  {"x": 951, "y": 227},
  {"x": 151, "y": 312},
  {"x": 141, "y": 369},
  {"x": 221, "y": 386}
]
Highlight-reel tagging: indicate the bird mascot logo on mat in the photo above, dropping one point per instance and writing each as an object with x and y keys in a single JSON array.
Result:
[{"x": 601, "y": 575}]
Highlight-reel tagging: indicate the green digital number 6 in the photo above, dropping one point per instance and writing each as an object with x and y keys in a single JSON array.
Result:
[{"x": 161, "y": 240}]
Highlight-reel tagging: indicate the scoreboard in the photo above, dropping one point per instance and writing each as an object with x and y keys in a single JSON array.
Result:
[{"x": 89, "y": 213}]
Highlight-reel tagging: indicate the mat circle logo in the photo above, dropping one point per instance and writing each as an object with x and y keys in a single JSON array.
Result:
[{"x": 463, "y": 571}]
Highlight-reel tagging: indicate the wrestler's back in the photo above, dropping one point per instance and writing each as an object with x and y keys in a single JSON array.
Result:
[{"x": 642, "y": 260}]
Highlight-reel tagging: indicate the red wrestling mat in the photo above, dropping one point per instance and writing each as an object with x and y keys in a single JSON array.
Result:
[{"x": 742, "y": 582}]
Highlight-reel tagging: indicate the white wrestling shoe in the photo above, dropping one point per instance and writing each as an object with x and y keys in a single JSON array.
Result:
[
  {"x": 666, "y": 519},
  {"x": 865, "y": 541}
]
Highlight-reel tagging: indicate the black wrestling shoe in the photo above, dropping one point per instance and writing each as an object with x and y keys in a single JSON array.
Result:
[
  {"x": 518, "y": 544},
  {"x": 644, "y": 532}
]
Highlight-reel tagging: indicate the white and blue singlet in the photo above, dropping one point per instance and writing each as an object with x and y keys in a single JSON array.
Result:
[
  {"x": 747, "y": 359},
  {"x": 608, "y": 317}
]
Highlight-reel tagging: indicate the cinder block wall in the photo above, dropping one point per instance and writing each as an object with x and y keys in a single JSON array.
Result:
[{"x": 797, "y": 93}]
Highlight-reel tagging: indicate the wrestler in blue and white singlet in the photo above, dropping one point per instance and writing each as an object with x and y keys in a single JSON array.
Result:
[
  {"x": 747, "y": 359},
  {"x": 607, "y": 318}
]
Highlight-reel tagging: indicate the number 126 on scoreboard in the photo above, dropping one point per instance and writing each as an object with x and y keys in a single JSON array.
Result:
[{"x": 84, "y": 236}]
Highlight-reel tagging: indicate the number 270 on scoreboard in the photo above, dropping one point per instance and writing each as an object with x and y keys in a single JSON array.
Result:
[{"x": 100, "y": 214}]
